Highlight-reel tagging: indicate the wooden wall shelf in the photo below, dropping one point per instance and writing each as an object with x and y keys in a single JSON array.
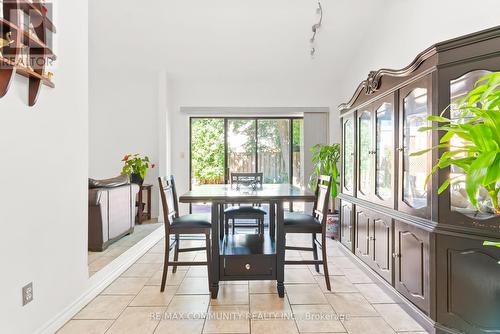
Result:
[{"x": 34, "y": 42}]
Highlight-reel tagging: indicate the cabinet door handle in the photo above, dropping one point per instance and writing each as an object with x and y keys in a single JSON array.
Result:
[
  {"x": 396, "y": 255},
  {"x": 372, "y": 238}
]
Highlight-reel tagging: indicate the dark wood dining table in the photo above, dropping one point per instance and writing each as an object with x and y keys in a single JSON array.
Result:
[{"x": 247, "y": 256}]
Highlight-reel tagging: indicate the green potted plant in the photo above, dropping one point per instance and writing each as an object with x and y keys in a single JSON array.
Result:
[
  {"x": 477, "y": 150},
  {"x": 325, "y": 160},
  {"x": 136, "y": 166}
]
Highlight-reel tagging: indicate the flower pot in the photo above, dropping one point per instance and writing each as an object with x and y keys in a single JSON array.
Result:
[{"x": 136, "y": 178}]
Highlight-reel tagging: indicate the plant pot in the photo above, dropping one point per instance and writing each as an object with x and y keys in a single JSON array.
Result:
[{"x": 136, "y": 178}]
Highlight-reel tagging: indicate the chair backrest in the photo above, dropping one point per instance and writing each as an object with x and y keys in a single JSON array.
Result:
[
  {"x": 168, "y": 196},
  {"x": 320, "y": 209},
  {"x": 246, "y": 179}
]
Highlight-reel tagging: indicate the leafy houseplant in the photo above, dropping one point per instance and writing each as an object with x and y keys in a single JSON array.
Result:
[
  {"x": 477, "y": 152},
  {"x": 325, "y": 159},
  {"x": 136, "y": 167}
]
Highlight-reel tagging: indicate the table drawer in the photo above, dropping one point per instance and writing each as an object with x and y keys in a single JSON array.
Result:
[{"x": 248, "y": 265}]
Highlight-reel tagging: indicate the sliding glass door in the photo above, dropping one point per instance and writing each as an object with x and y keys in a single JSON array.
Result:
[{"x": 221, "y": 146}]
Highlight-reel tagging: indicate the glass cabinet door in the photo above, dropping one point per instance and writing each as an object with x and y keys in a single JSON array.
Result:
[
  {"x": 415, "y": 168},
  {"x": 459, "y": 200},
  {"x": 365, "y": 150},
  {"x": 384, "y": 152},
  {"x": 348, "y": 156}
]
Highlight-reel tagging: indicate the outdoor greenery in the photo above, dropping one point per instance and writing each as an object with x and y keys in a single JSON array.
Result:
[
  {"x": 478, "y": 127},
  {"x": 325, "y": 159},
  {"x": 135, "y": 164},
  {"x": 207, "y": 147},
  {"x": 207, "y": 150}
]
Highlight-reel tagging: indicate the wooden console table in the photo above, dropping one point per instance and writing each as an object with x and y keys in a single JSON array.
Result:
[{"x": 141, "y": 214}]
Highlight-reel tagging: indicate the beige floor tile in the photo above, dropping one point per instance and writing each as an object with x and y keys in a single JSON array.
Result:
[
  {"x": 142, "y": 270},
  {"x": 232, "y": 294},
  {"x": 357, "y": 276},
  {"x": 227, "y": 319},
  {"x": 305, "y": 294},
  {"x": 189, "y": 304},
  {"x": 363, "y": 325},
  {"x": 374, "y": 294},
  {"x": 104, "y": 307},
  {"x": 172, "y": 279},
  {"x": 298, "y": 276},
  {"x": 136, "y": 320},
  {"x": 317, "y": 318},
  {"x": 116, "y": 251},
  {"x": 197, "y": 271},
  {"x": 85, "y": 327},
  {"x": 343, "y": 262},
  {"x": 268, "y": 303},
  {"x": 100, "y": 262},
  {"x": 125, "y": 286},
  {"x": 180, "y": 327},
  {"x": 397, "y": 318},
  {"x": 233, "y": 283},
  {"x": 151, "y": 258},
  {"x": 158, "y": 248},
  {"x": 351, "y": 305},
  {"x": 193, "y": 286},
  {"x": 152, "y": 296},
  {"x": 277, "y": 326},
  {"x": 337, "y": 283},
  {"x": 263, "y": 287}
]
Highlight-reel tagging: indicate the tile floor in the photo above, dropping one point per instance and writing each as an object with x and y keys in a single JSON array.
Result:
[
  {"x": 133, "y": 302},
  {"x": 98, "y": 260}
]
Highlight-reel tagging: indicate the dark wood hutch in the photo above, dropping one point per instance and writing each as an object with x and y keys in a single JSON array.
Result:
[{"x": 427, "y": 247}]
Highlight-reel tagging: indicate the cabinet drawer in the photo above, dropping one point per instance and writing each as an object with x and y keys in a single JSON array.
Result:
[{"x": 249, "y": 265}]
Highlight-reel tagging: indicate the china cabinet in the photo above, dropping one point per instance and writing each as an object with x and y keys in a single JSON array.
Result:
[{"x": 427, "y": 247}]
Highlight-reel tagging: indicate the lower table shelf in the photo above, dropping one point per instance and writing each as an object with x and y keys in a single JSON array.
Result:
[{"x": 247, "y": 257}]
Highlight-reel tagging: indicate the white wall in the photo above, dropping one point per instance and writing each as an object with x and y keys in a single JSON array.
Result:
[
  {"x": 43, "y": 173},
  {"x": 123, "y": 118},
  {"x": 404, "y": 28},
  {"x": 198, "y": 93}
]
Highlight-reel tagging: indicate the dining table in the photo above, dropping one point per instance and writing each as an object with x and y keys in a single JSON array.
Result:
[{"x": 245, "y": 257}]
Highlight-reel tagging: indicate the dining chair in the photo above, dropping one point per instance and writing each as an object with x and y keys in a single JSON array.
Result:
[
  {"x": 250, "y": 180},
  {"x": 295, "y": 222},
  {"x": 176, "y": 225}
]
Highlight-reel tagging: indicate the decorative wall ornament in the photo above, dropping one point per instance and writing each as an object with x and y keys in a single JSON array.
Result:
[
  {"x": 26, "y": 45},
  {"x": 315, "y": 29}
]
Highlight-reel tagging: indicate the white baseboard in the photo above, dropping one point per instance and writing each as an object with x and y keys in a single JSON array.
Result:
[{"x": 100, "y": 280}]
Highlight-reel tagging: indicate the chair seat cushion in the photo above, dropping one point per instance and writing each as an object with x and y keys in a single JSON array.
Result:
[
  {"x": 301, "y": 223},
  {"x": 195, "y": 220},
  {"x": 235, "y": 210}
]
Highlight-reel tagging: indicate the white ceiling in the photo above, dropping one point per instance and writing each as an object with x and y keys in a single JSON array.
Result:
[{"x": 228, "y": 39}]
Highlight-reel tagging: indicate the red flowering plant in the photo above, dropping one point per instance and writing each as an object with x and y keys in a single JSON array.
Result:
[{"x": 136, "y": 164}]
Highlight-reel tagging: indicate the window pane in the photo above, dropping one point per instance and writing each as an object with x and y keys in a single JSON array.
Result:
[
  {"x": 384, "y": 151},
  {"x": 365, "y": 146},
  {"x": 348, "y": 154},
  {"x": 241, "y": 146},
  {"x": 207, "y": 151},
  {"x": 460, "y": 202},
  {"x": 207, "y": 154},
  {"x": 298, "y": 152},
  {"x": 274, "y": 150},
  {"x": 415, "y": 167}
]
